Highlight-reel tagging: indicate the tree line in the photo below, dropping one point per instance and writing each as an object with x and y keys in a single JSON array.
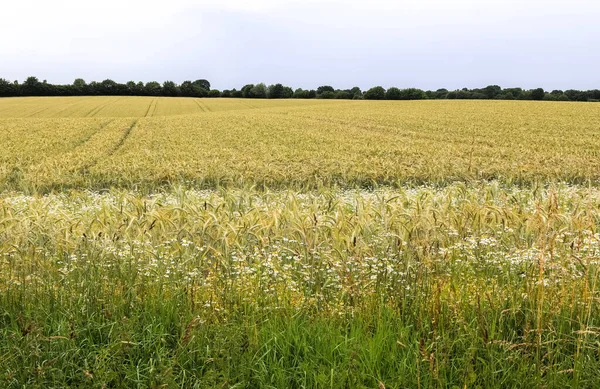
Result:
[{"x": 32, "y": 86}]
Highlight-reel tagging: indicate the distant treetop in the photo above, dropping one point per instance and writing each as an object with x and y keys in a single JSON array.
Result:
[{"x": 32, "y": 86}]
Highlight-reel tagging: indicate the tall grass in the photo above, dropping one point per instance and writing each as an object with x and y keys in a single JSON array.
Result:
[{"x": 479, "y": 285}]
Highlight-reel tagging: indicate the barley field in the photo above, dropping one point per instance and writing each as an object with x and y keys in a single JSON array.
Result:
[{"x": 224, "y": 243}]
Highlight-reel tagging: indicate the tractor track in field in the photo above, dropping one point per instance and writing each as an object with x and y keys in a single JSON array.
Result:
[
  {"x": 408, "y": 133},
  {"x": 155, "y": 107},
  {"x": 124, "y": 138},
  {"x": 99, "y": 108},
  {"x": 85, "y": 169},
  {"x": 248, "y": 105},
  {"x": 95, "y": 110},
  {"x": 65, "y": 108},
  {"x": 83, "y": 141},
  {"x": 78, "y": 144},
  {"x": 203, "y": 106},
  {"x": 38, "y": 111},
  {"x": 154, "y": 102},
  {"x": 200, "y": 106}
]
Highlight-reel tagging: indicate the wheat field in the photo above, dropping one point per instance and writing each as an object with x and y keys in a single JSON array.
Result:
[
  {"x": 202, "y": 243},
  {"x": 99, "y": 142}
]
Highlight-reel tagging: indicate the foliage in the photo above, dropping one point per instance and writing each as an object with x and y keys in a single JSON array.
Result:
[
  {"x": 259, "y": 91},
  {"x": 214, "y": 93},
  {"x": 375, "y": 93},
  {"x": 300, "y": 94},
  {"x": 152, "y": 88},
  {"x": 344, "y": 95},
  {"x": 275, "y": 91},
  {"x": 326, "y": 95},
  {"x": 7, "y": 88},
  {"x": 324, "y": 88},
  {"x": 392, "y": 93},
  {"x": 201, "y": 88},
  {"x": 169, "y": 89},
  {"x": 412, "y": 94},
  {"x": 537, "y": 94}
]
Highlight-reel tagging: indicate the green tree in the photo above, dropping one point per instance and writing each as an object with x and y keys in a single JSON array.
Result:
[
  {"x": 8, "y": 89},
  {"x": 464, "y": 94},
  {"x": 31, "y": 87},
  {"x": 355, "y": 91},
  {"x": 152, "y": 88},
  {"x": 187, "y": 89},
  {"x": 192, "y": 89},
  {"x": 214, "y": 93},
  {"x": 575, "y": 95},
  {"x": 343, "y": 95},
  {"x": 275, "y": 91},
  {"x": 108, "y": 87},
  {"x": 505, "y": 96},
  {"x": 324, "y": 88},
  {"x": 491, "y": 91},
  {"x": 300, "y": 94},
  {"x": 198, "y": 88},
  {"x": 392, "y": 93},
  {"x": 326, "y": 95},
  {"x": 375, "y": 93},
  {"x": 80, "y": 87},
  {"x": 247, "y": 91},
  {"x": 169, "y": 88},
  {"x": 412, "y": 94},
  {"x": 538, "y": 94},
  {"x": 259, "y": 91},
  {"x": 440, "y": 93},
  {"x": 516, "y": 92},
  {"x": 287, "y": 92},
  {"x": 204, "y": 84}
]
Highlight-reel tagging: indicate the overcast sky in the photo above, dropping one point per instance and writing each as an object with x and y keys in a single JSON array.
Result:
[{"x": 428, "y": 44}]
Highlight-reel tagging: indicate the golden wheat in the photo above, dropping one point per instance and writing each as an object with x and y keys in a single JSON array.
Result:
[{"x": 237, "y": 142}]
